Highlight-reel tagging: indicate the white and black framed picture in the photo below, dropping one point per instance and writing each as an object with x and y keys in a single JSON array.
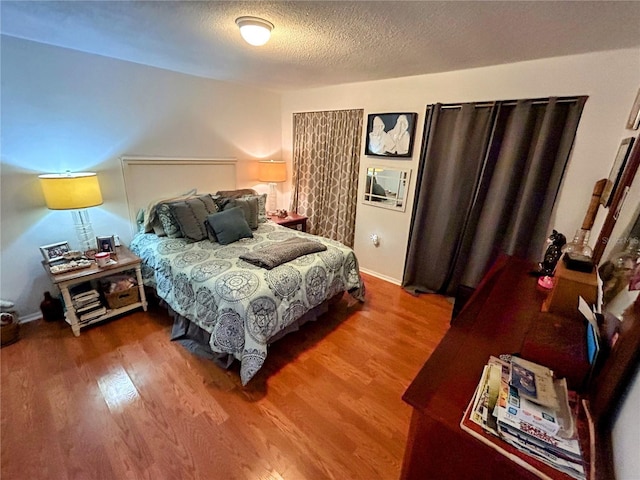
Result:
[
  {"x": 106, "y": 244},
  {"x": 55, "y": 251},
  {"x": 616, "y": 171},
  {"x": 390, "y": 134}
]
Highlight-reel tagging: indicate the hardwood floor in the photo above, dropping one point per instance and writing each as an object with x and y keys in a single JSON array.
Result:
[{"x": 123, "y": 402}]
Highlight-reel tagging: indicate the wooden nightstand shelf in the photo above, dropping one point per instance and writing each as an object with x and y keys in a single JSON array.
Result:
[
  {"x": 291, "y": 221},
  {"x": 126, "y": 261}
]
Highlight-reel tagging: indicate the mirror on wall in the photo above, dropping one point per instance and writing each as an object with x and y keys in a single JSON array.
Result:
[
  {"x": 387, "y": 187},
  {"x": 619, "y": 244},
  {"x": 619, "y": 269}
]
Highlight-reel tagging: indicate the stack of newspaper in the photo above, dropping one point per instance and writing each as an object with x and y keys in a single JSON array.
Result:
[
  {"x": 88, "y": 305},
  {"x": 520, "y": 402}
]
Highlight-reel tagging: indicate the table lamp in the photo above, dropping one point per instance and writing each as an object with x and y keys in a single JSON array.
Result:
[
  {"x": 75, "y": 192},
  {"x": 272, "y": 171}
]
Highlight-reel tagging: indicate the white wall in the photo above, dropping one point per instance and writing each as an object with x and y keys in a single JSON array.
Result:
[
  {"x": 63, "y": 109},
  {"x": 626, "y": 435},
  {"x": 610, "y": 79}
]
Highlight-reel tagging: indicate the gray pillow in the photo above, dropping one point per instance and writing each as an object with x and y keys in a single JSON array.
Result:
[
  {"x": 249, "y": 207},
  {"x": 191, "y": 216},
  {"x": 262, "y": 206},
  {"x": 229, "y": 226}
]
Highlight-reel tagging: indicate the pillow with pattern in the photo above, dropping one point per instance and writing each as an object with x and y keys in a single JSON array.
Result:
[
  {"x": 168, "y": 225},
  {"x": 152, "y": 221}
]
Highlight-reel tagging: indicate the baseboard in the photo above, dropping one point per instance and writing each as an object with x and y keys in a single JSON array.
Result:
[
  {"x": 382, "y": 277},
  {"x": 29, "y": 318}
]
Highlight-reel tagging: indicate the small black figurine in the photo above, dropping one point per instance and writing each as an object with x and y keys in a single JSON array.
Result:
[{"x": 554, "y": 251}]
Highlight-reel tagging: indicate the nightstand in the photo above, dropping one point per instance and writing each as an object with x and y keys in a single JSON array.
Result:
[
  {"x": 125, "y": 260},
  {"x": 291, "y": 221}
]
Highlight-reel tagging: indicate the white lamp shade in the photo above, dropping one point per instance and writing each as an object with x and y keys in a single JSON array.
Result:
[
  {"x": 70, "y": 191},
  {"x": 254, "y": 30},
  {"x": 272, "y": 171}
]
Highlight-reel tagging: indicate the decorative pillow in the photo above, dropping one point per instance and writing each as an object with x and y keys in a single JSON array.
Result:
[
  {"x": 140, "y": 221},
  {"x": 222, "y": 202},
  {"x": 229, "y": 226},
  {"x": 236, "y": 193},
  {"x": 191, "y": 216},
  {"x": 152, "y": 221},
  {"x": 249, "y": 207},
  {"x": 168, "y": 225},
  {"x": 262, "y": 206}
]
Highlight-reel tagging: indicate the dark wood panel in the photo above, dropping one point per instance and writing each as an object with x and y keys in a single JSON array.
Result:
[{"x": 503, "y": 317}]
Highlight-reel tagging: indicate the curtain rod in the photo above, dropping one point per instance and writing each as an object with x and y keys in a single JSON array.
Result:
[{"x": 540, "y": 101}]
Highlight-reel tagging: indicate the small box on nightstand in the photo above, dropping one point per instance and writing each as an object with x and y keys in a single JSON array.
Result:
[{"x": 568, "y": 286}]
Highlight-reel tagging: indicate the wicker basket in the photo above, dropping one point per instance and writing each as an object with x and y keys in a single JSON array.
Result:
[
  {"x": 123, "y": 298},
  {"x": 9, "y": 329}
]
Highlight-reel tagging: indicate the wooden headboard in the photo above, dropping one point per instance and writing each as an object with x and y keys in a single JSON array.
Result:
[{"x": 147, "y": 179}]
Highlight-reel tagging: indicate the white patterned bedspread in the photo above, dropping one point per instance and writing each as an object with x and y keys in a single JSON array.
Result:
[{"x": 241, "y": 305}]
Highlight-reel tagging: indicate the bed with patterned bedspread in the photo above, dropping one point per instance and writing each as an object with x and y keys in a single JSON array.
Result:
[{"x": 243, "y": 306}]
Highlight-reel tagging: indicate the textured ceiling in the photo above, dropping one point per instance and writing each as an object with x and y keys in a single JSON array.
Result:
[{"x": 325, "y": 43}]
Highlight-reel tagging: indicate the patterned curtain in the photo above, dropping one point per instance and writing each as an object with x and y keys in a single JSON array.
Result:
[{"x": 326, "y": 159}]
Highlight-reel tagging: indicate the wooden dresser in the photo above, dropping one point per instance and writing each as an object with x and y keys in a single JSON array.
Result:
[{"x": 502, "y": 317}]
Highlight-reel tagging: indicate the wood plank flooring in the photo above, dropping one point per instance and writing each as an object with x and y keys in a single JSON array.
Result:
[{"x": 123, "y": 402}]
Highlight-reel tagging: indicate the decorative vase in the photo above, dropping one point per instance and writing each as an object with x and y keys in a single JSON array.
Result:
[
  {"x": 51, "y": 308},
  {"x": 580, "y": 244}
]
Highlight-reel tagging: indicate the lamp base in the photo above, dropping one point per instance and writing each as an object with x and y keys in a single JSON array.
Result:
[
  {"x": 84, "y": 230},
  {"x": 272, "y": 199}
]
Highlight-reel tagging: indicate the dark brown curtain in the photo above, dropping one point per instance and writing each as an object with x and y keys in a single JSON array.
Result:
[
  {"x": 326, "y": 159},
  {"x": 488, "y": 179}
]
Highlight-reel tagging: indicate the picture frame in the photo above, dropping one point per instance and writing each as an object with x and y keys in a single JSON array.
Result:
[
  {"x": 391, "y": 134},
  {"x": 55, "y": 251},
  {"x": 616, "y": 171},
  {"x": 106, "y": 244},
  {"x": 633, "y": 122}
]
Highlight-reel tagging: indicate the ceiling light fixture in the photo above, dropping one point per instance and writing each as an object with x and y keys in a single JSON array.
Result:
[{"x": 254, "y": 30}]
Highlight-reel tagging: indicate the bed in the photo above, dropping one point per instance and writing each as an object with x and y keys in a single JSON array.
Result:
[{"x": 224, "y": 306}]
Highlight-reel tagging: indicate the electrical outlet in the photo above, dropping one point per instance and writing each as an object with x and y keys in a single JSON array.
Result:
[{"x": 375, "y": 239}]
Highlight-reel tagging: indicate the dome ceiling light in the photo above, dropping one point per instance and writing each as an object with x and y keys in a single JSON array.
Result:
[{"x": 255, "y": 31}]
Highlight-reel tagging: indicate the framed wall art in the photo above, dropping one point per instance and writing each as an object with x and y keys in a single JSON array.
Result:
[
  {"x": 634, "y": 116},
  {"x": 390, "y": 134},
  {"x": 55, "y": 251},
  {"x": 616, "y": 171}
]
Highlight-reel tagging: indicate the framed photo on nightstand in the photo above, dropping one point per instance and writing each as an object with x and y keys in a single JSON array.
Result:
[
  {"x": 55, "y": 251},
  {"x": 106, "y": 244}
]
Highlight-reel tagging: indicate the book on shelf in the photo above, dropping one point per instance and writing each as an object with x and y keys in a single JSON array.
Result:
[
  {"x": 95, "y": 304},
  {"x": 82, "y": 290},
  {"x": 98, "y": 312},
  {"x": 85, "y": 297},
  {"x": 522, "y": 404}
]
